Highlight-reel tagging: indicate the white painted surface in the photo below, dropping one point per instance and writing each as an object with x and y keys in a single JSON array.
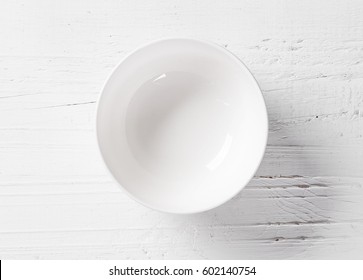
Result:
[{"x": 56, "y": 199}]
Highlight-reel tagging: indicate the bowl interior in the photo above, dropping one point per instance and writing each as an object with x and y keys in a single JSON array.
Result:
[{"x": 181, "y": 125}]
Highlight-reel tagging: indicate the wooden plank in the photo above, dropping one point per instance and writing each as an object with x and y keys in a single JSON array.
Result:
[{"x": 297, "y": 217}]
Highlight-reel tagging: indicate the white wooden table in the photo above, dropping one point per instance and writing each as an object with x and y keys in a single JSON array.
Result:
[{"x": 56, "y": 198}]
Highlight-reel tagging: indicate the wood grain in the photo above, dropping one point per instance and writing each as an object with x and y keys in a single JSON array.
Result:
[{"x": 56, "y": 198}]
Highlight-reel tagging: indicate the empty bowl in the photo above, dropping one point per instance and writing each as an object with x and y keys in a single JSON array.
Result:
[{"x": 181, "y": 125}]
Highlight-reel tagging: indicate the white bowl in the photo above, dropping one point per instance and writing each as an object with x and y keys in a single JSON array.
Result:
[{"x": 182, "y": 125}]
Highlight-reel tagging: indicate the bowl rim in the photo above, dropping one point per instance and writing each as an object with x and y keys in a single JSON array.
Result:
[{"x": 210, "y": 44}]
